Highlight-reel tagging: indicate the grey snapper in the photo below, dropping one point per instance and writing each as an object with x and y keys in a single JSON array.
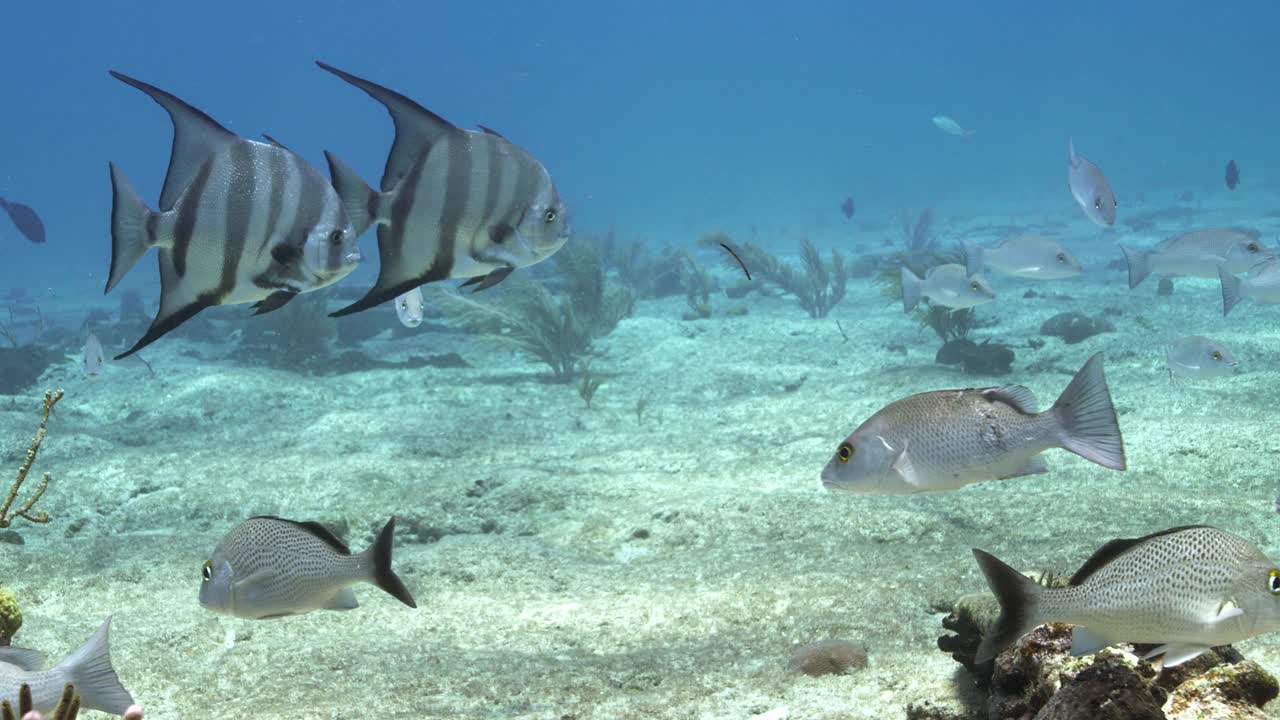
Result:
[
  {"x": 240, "y": 221},
  {"x": 1198, "y": 253},
  {"x": 947, "y": 285},
  {"x": 947, "y": 439},
  {"x": 1027, "y": 256},
  {"x": 454, "y": 203},
  {"x": 1090, "y": 188},
  {"x": 1262, "y": 286},
  {"x": 1197, "y": 356},
  {"x": 269, "y": 567},
  {"x": 88, "y": 669},
  {"x": 1186, "y": 589}
]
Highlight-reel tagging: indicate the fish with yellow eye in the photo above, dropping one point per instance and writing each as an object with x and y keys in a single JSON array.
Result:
[
  {"x": 411, "y": 308},
  {"x": 949, "y": 285},
  {"x": 947, "y": 439}
]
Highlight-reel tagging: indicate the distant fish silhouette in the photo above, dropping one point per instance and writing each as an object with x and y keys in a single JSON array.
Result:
[
  {"x": 1233, "y": 175},
  {"x": 846, "y": 208},
  {"x": 25, "y": 219}
]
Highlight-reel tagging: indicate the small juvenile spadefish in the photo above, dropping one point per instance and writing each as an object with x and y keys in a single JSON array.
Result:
[
  {"x": 269, "y": 567},
  {"x": 947, "y": 439},
  {"x": 1185, "y": 589}
]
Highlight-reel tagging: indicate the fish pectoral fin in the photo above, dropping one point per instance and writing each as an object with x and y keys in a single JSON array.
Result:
[
  {"x": 1226, "y": 611},
  {"x": 274, "y": 301},
  {"x": 1034, "y": 466},
  {"x": 1175, "y": 653},
  {"x": 251, "y": 586},
  {"x": 344, "y": 599},
  {"x": 1085, "y": 641},
  {"x": 903, "y": 466},
  {"x": 484, "y": 282}
]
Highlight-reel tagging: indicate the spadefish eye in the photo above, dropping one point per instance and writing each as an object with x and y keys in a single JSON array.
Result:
[{"x": 549, "y": 216}]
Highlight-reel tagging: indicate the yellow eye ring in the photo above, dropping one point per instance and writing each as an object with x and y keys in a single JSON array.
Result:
[
  {"x": 1217, "y": 355},
  {"x": 1273, "y": 582},
  {"x": 844, "y": 452},
  {"x": 549, "y": 216},
  {"x": 207, "y": 571}
]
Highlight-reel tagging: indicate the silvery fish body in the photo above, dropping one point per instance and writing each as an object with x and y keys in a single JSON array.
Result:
[
  {"x": 239, "y": 221},
  {"x": 1027, "y": 256},
  {"x": 93, "y": 361},
  {"x": 947, "y": 439},
  {"x": 1262, "y": 285},
  {"x": 454, "y": 203},
  {"x": 88, "y": 669},
  {"x": 1197, "y": 356},
  {"x": 948, "y": 285},
  {"x": 411, "y": 308},
  {"x": 269, "y": 567},
  {"x": 1198, "y": 253},
  {"x": 1185, "y": 589},
  {"x": 1090, "y": 188},
  {"x": 951, "y": 127}
]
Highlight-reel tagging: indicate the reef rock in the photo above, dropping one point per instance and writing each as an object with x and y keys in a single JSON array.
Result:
[
  {"x": 986, "y": 359},
  {"x": 1074, "y": 327}
]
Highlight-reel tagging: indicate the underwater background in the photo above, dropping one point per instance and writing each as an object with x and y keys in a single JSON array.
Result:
[{"x": 631, "y": 526}]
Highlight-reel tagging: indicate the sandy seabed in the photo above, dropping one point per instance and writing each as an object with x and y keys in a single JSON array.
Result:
[{"x": 574, "y": 562}]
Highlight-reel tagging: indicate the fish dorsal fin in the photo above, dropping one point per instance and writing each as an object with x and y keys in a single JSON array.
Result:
[
  {"x": 491, "y": 131},
  {"x": 1018, "y": 397},
  {"x": 196, "y": 137},
  {"x": 275, "y": 142},
  {"x": 30, "y": 660},
  {"x": 417, "y": 128},
  {"x": 1105, "y": 554},
  {"x": 313, "y": 528}
]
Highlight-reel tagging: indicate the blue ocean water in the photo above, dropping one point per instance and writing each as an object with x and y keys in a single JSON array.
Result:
[{"x": 662, "y": 121}]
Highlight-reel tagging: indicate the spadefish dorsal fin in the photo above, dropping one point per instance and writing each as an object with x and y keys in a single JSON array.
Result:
[
  {"x": 491, "y": 131},
  {"x": 311, "y": 527},
  {"x": 196, "y": 136},
  {"x": 1105, "y": 554},
  {"x": 275, "y": 142},
  {"x": 417, "y": 128}
]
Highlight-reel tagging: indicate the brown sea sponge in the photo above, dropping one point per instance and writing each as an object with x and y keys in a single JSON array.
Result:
[{"x": 828, "y": 657}]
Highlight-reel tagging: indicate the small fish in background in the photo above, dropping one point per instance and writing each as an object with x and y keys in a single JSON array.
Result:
[
  {"x": 1090, "y": 188},
  {"x": 1198, "y": 253},
  {"x": 847, "y": 208},
  {"x": 240, "y": 221},
  {"x": 1185, "y": 589},
  {"x": 1197, "y": 356},
  {"x": 947, "y": 439},
  {"x": 1262, "y": 286},
  {"x": 947, "y": 285},
  {"x": 1027, "y": 256},
  {"x": 88, "y": 669},
  {"x": 1233, "y": 175},
  {"x": 94, "y": 360},
  {"x": 454, "y": 203},
  {"x": 951, "y": 127},
  {"x": 269, "y": 567},
  {"x": 25, "y": 219},
  {"x": 411, "y": 308}
]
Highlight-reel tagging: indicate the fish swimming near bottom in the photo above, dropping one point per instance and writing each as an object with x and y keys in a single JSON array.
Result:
[
  {"x": 1185, "y": 590},
  {"x": 947, "y": 439},
  {"x": 1262, "y": 286},
  {"x": 25, "y": 219},
  {"x": 94, "y": 360},
  {"x": 947, "y": 285},
  {"x": 88, "y": 669},
  {"x": 1090, "y": 188},
  {"x": 269, "y": 567},
  {"x": 1197, "y": 356},
  {"x": 1034, "y": 257},
  {"x": 1198, "y": 253},
  {"x": 411, "y": 308}
]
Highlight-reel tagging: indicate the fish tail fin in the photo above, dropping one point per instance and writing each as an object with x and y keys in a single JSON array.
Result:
[
  {"x": 1230, "y": 290},
  {"x": 130, "y": 235},
  {"x": 1087, "y": 419},
  {"x": 1019, "y": 598},
  {"x": 358, "y": 199},
  {"x": 383, "y": 576},
  {"x": 89, "y": 670},
  {"x": 972, "y": 257},
  {"x": 911, "y": 285},
  {"x": 1139, "y": 264}
]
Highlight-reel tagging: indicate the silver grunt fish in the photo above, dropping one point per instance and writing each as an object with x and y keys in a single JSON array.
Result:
[
  {"x": 1197, "y": 356},
  {"x": 1262, "y": 286},
  {"x": 1186, "y": 589},
  {"x": 1027, "y": 256},
  {"x": 947, "y": 439},
  {"x": 947, "y": 285},
  {"x": 88, "y": 669},
  {"x": 1090, "y": 188},
  {"x": 1198, "y": 253}
]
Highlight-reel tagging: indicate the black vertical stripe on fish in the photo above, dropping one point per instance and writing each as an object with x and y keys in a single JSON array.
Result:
[
  {"x": 492, "y": 193},
  {"x": 278, "y": 177},
  {"x": 185, "y": 226},
  {"x": 239, "y": 215},
  {"x": 457, "y": 189}
]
